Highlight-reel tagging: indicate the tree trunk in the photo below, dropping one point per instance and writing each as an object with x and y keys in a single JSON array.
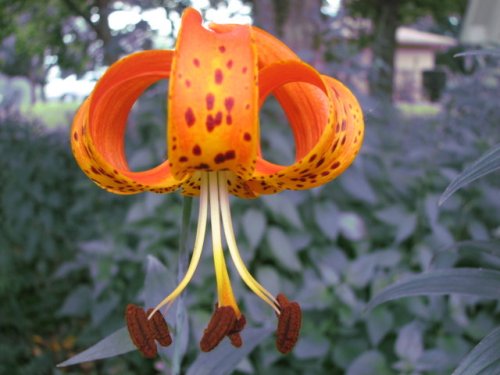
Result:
[
  {"x": 264, "y": 15},
  {"x": 110, "y": 54},
  {"x": 298, "y": 23},
  {"x": 385, "y": 24}
]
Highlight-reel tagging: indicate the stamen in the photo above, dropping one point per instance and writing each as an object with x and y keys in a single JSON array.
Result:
[
  {"x": 224, "y": 290},
  {"x": 289, "y": 322},
  {"x": 140, "y": 331},
  {"x": 234, "y": 333},
  {"x": 221, "y": 323},
  {"x": 198, "y": 246},
  {"x": 246, "y": 276},
  {"x": 159, "y": 328}
]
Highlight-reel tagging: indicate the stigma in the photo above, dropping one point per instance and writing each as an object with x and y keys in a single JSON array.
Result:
[{"x": 145, "y": 328}]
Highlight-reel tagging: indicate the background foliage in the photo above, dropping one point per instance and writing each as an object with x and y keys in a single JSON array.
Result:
[{"x": 72, "y": 256}]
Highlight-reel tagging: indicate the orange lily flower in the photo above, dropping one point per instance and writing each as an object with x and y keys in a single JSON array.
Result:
[{"x": 219, "y": 77}]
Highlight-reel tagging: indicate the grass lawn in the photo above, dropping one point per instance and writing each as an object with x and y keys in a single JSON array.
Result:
[
  {"x": 419, "y": 109},
  {"x": 52, "y": 113}
]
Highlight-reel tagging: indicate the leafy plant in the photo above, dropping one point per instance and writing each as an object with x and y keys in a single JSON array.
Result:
[{"x": 482, "y": 283}]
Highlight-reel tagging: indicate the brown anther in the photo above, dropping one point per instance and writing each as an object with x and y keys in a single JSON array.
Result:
[
  {"x": 236, "y": 340},
  {"x": 289, "y": 322},
  {"x": 221, "y": 323},
  {"x": 140, "y": 331},
  {"x": 159, "y": 328},
  {"x": 234, "y": 333}
]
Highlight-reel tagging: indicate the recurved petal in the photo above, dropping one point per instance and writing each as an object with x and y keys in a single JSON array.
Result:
[
  {"x": 98, "y": 130},
  {"x": 324, "y": 116},
  {"x": 327, "y": 124},
  {"x": 269, "y": 48}
]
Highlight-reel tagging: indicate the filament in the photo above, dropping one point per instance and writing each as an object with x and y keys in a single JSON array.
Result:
[
  {"x": 198, "y": 247},
  {"x": 249, "y": 280},
  {"x": 224, "y": 290}
]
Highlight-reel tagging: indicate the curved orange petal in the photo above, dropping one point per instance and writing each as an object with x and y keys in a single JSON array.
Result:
[
  {"x": 99, "y": 127},
  {"x": 327, "y": 123},
  {"x": 327, "y": 140},
  {"x": 213, "y": 120}
]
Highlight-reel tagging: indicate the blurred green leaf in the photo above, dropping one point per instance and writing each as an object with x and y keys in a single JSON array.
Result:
[
  {"x": 77, "y": 303},
  {"x": 486, "y": 353},
  {"x": 158, "y": 283},
  {"x": 327, "y": 215},
  {"x": 360, "y": 271},
  {"x": 103, "y": 309},
  {"x": 409, "y": 344},
  {"x": 487, "y": 163},
  {"x": 269, "y": 277},
  {"x": 469, "y": 281},
  {"x": 254, "y": 225},
  {"x": 285, "y": 209},
  {"x": 369, "y": 363},
  {"x": 352, "y": 226},
  {"x": 309, "y": 347},
  {"x": 115, "y": 344},
  {"x": 355, "y": 183},
  {"x": 406, "y": 227},
  {"x": 282, "y": 249},
  {"x": 225, "y": 357},
  {"x": 378, "y": 324},
  {"x": 494, "y": 368}
]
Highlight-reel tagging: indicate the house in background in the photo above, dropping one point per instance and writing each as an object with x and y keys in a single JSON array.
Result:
[{"x": 415, "y": 53}]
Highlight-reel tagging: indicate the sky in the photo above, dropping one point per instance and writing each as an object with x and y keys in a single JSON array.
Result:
[{"x": 235, "y": 12}]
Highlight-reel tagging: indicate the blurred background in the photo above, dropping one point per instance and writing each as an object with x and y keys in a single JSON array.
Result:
[{"x": 72, "y": 256}]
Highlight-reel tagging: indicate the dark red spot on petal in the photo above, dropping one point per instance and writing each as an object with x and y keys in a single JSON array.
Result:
[
  {"x": 183, "y": 159},
  {"x": 247, "y": 137},
  {"x": 202, "y": 166},
  {"x": 230, "y": 155},
  {"x": 218, "y": 76},
  {"x": 335, "y": 165},
  {"x": 335, "y": 145},
  {"x": 197, "y": 150},
  {"x": 189, "y": 117},
  {"x": 218, "y": 118},
  {"x": 75, "y": 136},
  {"x": 210, "y": 100},
  {"x": 229, "y": 64},
  {"x": 219, "y": 158},
  {"x": 210, "y": 123},
  {"x": 188, "y": 83},
  {"x": 229, "y": 103},
  {"x": 229, "y": 119},
  {"x": 196, "y": 62},
  {"x": 222, "y": 49},
  {"x": 244, "y": 69}
]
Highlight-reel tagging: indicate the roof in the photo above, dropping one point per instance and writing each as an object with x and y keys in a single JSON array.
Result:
[{"x": 406, "y": 36}]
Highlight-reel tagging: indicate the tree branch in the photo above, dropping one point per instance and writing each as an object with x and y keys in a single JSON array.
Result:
[{"x": 76, "y": 10}]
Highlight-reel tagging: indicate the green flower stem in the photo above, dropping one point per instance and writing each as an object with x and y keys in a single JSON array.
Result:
[{"x": 187, "y": 206}]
